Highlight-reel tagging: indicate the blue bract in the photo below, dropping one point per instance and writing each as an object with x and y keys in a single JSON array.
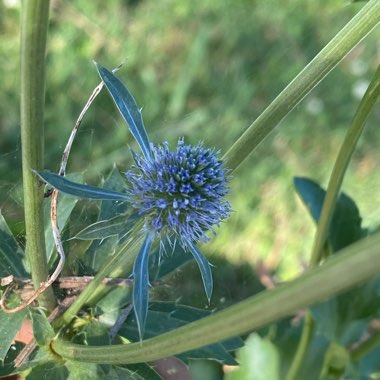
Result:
[{"x": 180, "y": 193}]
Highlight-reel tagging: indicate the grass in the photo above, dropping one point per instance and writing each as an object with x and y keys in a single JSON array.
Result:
[{"x": 203, "y": 70}]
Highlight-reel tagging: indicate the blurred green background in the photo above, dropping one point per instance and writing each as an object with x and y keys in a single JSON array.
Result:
[{"x": 202, "y": 69}]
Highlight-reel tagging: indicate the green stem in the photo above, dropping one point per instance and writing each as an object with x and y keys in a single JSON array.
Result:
[
  {"x": 366, "y": 347},
  {"x": 34, "y": 26},
  {"x": 94, "y": 288},
  {"x": 341, "y": 164},
  {"x": 361, "y": 260},
  {"x": 333, "y": 189},
  {"x": 365, "y": 20},
  {"x": 307, "y": 335}
]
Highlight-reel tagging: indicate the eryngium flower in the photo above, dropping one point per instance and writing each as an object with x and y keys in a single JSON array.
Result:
[{"x": 180, "y": 193}]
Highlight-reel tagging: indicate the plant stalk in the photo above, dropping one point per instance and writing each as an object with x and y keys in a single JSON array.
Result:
[
  {"x": 121, "y": 259},
  {"x": 336, "y": 179},
  {"x": 361, "y": 261},
  {"x": 341, "y": 164},
  {"x": 360, "y": 25},
  {"x": 34, "y": 27}
]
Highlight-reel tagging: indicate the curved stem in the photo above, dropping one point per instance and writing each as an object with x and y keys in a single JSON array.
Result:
[
  {"x": 360, "y": 260},
  {"x": 95, "y": 286},
  {"x": 336, "y": 179},
  {"x": 34, "y": 26},
  {"x": 365, "y": 20},
  {"x": 306, "y": 337},
  {"x": 332, "y": 192}
]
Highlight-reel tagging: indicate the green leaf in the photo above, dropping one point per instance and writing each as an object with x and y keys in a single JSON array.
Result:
[
  {"x": 66, "y": 205},
  {"x": 165, "y": 316},
  {"x": 162, "y": 265},
  {"x": 7, "y": 365},
  {"x": 108, "y": 308},
  {"x": 100, "y": 250},
  {"x": 42, "y": 330},
  {"x": 119, "y": 225},
  {"x": 345, "y": 318},
  {"x": 127, "y": 107},
  {"x": 49, "y": 371},
  {"x": 287, "y": 334},
  {"x": 345, "y": 227},
  {"x": 124, "y": 373},
  {"x": 11, "y": 255},
  {"x": 140, "y": 295},
  {"x": 259, "y": 360},
  {"x": 79, "y": 190},
  {"x": 143, "y": 371},
  {"x": 204, "y": 268},
  {"x": 82, "y": 371},
  {"x": 9, "y": 326},
  {"x": 369, "y": 365}
]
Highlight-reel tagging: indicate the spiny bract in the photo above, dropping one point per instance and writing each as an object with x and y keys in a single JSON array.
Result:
[{"x": 180, "y": 193}]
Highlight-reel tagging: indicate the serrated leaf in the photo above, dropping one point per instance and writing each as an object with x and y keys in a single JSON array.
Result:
[
  {"x": 165, "y": 316},
  {"x": 42, "y": 330},
  {"x": 9, "y": 326},
  {"x": 204, "y": 268},
  {"x": 11, "y": 255},
  {"x": 259, "y": 360},
  {"x": 345, "y": 227},
  {"x": 78, "y": 190},
  {"x": 127, "y": 106},
  {"x": 140, "y": 295},
  {"x": 66, "y": 205}
]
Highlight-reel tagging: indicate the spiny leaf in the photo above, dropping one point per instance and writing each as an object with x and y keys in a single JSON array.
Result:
[
  {"x": 127, "y": 107},
  {"x": 141, "y": 284},
  {"x": 78, "y": 190},
  {"x": 204, "y": 268}
]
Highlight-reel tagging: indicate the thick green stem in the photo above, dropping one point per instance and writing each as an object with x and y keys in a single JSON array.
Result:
[
  {"x": 361, "y": 261},
  {"x": 34, "y": 26},
  {"x": 304, "y": 82},
  {"x": 333, "y": 189}
]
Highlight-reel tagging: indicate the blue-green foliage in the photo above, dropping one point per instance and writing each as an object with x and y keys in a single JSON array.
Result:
[
  {"x": 127, "y": 106},
  {"x": 180, "y": 196}
]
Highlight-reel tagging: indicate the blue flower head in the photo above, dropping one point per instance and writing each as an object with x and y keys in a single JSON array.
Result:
[{"x": 181, "y": 193}]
